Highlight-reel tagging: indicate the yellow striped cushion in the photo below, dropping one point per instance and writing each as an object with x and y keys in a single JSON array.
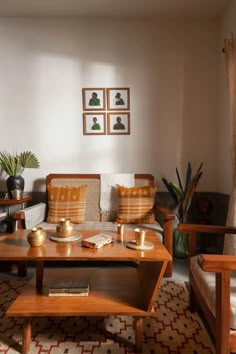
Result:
[
  {"x": 136, "y": 205},
  {"x": 66, "y": 202}
]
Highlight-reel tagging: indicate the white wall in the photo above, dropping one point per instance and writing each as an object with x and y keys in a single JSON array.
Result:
[{"x": 171, "y": 68}]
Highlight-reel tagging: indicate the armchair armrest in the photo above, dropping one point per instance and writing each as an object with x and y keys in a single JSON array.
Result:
[
  {"x": 193, "y": 229},
  {"x": 217, "y": 263}
]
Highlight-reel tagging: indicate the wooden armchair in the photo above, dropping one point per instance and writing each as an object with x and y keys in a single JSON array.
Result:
[{"x": 213, "y": 286}]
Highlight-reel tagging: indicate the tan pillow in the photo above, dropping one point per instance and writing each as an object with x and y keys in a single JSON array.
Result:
[
  {"x": 66, "y": 202},
  {"x": 136, "y": 205}
]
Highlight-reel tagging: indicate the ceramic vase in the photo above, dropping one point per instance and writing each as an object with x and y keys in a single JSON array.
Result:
[{"x": 15, "y": 186}]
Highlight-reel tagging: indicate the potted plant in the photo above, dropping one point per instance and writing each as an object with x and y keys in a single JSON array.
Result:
[
  {"x": 14, "y": 164},
  {"x": 182, "y": 195}
]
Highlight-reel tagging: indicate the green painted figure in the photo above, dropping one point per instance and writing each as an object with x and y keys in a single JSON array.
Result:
[
  {"x": 119, "y": 100},
  {"x": 94, "y": 101},
  {"x": 96, "y": 125}
]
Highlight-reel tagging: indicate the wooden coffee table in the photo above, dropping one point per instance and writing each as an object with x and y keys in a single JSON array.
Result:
[{"x": 113, "y": 290}]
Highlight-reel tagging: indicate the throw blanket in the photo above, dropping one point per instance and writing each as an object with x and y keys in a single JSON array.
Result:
[
  {"x": 34, "y": 215},
  {"x": 109, "y": 196}
]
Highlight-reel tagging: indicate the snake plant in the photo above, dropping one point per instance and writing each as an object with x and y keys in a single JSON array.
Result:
[{"x": 182, "y": 193}]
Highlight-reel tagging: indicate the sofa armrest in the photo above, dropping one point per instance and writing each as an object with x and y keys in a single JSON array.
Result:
[
  {"x": 31, "y": 216},
  {"x": 167, "y": 217}
]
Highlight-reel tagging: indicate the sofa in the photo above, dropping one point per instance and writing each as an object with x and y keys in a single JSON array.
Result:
[{"x": 102, "y": 203}]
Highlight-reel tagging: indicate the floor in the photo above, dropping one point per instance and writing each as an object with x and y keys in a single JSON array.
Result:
[{"x": 180, "y": 269}]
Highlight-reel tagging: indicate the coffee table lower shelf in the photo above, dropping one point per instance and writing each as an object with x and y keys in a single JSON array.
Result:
[{"x": 112, "y": 291}]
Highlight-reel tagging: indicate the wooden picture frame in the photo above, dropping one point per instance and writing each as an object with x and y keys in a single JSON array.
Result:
[
  {"x": 94, "y": 99},
  {"x": 118, "y": 123},
  {"x": 118, "y": 98},
  {"x": 94, "y": 123}
]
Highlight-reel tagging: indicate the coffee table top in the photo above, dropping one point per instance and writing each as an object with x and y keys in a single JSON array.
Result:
[{"x": 16, "y": 247}]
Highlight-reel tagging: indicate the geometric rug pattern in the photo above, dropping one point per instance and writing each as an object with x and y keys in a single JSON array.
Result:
[{"x": 173, "y": 330}]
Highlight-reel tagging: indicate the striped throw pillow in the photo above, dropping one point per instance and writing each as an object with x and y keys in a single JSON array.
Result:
[
  {"x": 136, "y": 205},
  {"x": 66, "y": 202}
]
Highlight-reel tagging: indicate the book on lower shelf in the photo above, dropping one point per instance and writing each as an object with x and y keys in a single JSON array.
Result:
[{"x": 69, "y": 288}]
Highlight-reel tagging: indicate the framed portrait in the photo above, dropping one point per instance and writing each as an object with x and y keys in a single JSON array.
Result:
[
  {"x": 118, "y": 99},
  {"x": 94, "y": 99},
  {"x": 118, "y": 123},
  {"x": 94, "y": 123}
]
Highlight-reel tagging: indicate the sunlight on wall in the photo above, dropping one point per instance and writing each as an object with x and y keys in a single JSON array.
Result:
[{"x": 45, "y": 63}]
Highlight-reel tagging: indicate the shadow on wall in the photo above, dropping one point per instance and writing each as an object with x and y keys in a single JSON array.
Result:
[
  {"x": 39, "y": 191},
  {"x": 3, "y": 186},
  {"x": 215, "y": 215},
  {"x": 39, "y": 184}
]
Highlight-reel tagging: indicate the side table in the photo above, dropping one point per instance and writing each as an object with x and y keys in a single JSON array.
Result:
[{"x": 9, "y": 203}]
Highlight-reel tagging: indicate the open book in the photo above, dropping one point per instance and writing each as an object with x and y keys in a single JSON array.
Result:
[{"x": 97, "y": 241}]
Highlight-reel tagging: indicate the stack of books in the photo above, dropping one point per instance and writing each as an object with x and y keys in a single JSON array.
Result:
[{"x": 69, "y": 288}]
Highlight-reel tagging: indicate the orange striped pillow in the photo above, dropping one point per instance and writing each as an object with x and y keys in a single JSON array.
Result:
[
  {"x": 66, "y": 202},
  {"x": 136, "y": 205}
]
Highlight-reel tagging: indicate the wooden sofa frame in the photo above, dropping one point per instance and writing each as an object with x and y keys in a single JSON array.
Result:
[
  {"x": 222, "y": 266},
  {"x": 163, "y": 215}
]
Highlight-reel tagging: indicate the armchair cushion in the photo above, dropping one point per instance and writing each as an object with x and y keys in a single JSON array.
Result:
[
  {"x": 66, "y": 202},
  {"x": 136, "y": 205},
  {"x": 206, "y": 285}
]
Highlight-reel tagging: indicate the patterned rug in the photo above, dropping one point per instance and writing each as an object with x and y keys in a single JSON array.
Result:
[{"x": 174, "y": 330}]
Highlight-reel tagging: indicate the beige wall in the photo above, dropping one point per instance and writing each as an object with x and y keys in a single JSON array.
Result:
[
  {"x": 171, "y": 67},
  {"x": 228, "y": 25}
]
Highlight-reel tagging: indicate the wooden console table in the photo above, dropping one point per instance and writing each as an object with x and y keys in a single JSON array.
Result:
[
  {"x": 10, "y": 202},
  {"x": 113, "y": 290},
  {"x": 21, "y": 266}
]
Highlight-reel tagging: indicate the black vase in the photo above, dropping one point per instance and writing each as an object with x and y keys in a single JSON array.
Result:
[{"x": 15, "y": 186}]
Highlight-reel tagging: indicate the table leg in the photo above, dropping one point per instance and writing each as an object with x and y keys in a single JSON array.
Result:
[
  {"x": 39, "y": 274},
  {"x": 26, "y": 336},
  {"x": 22, "y": 268},
  {"x": 138, "y": 330}
]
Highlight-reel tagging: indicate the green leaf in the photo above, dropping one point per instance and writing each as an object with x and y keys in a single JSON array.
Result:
[
  {"x": 28, "y": 160},
  {"x": 171, "y": 190},
  {"x": 179, "y": 179},
  {"x": 14, "y": 164},
  {"x": 188, "y": 176}
]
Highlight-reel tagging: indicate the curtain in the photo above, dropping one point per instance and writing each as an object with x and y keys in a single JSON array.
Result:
[{"x": 230, "y": 57}]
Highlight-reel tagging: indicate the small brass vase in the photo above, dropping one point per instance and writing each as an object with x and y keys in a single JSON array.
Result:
[
  {"x": 36, "y": 237},
  {"x": 65, "y": 228}
]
